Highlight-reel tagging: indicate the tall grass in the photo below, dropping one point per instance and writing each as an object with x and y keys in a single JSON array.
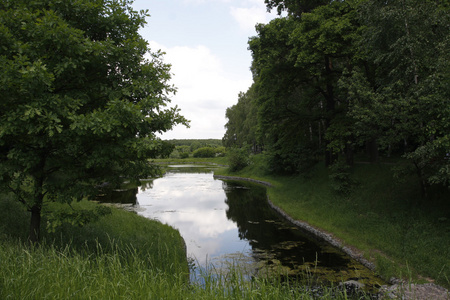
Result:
[
  {"x": 383, "y": 216},
  {"x": 47, "y": 272},
  {"x": 122, "y": 256},
  {"x": 160, "y": 244}
]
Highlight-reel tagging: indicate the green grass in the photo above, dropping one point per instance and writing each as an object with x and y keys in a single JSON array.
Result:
[
  {"x": 383, "y": 217},
  {"x": 125, "y": 256},
  {"x": 47, "y": 272},
  {"x": 160, "y": 244},
  {"x": 121, "y": 256}
]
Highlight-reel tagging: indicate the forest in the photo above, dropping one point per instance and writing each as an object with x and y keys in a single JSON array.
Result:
[{"x": 334, "y": 81}]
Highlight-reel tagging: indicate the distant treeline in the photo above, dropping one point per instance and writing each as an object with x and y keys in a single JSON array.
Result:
[
  {"x": 185, "y": 148},
  {"x": 195, "y": 144}
]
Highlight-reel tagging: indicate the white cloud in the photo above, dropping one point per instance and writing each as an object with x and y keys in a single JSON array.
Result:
[
  {"x": 205, "y": 90},
  {"x": 204, "y": 1},
  {"x": 248, "y": 17},
  {"x": 251, "y": 12}
]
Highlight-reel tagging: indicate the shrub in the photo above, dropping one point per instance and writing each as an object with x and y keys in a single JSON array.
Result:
[
  {"x": 184, "y": 155},
  {"x": 340, "y": 178},
  {"x": 238, "y": 159},
  {"x": 205, "y": 152},
  {"x": 220, "y": 151}
]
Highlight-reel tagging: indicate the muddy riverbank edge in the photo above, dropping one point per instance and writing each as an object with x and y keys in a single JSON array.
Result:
[{"x": 398, "y": 289}]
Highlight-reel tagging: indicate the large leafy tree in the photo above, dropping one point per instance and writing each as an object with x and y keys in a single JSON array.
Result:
[
  {"x": 284, "y": 104},
  {"x": 294, "y": 7},
  {"x": 82, "y": 99},
  {"x": 404, "y": 102},
  {"x": 325, "y": 46},
  {"x": 242, "y": 125},
  {"x": 297, "y": 63}
]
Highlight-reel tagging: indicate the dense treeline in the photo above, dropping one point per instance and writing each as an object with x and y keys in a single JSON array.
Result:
[
  {"x": 336, "y": 78},
  {"x": 194, "y": 144},
  {"x": 184, "y": 148}
]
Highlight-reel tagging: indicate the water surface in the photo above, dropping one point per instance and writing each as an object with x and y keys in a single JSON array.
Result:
[{"x": 230, "y": 222}]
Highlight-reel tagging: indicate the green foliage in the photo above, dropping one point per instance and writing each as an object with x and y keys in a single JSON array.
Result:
[
  {"x": 184, "y": 155},
  {"x": 294, "y": 7},
  {"x": 382, "y": 216},
  {"x": 221, "y": 151},
  {"x": 87, "y": 113},
  {"x": 204, "y": 152},
  {"x": 79, "y": 217},
  {"x": 194, "y": 144},
  {"x": 337, "y": 78},
  {"x": 340, "y": 178},
  {"x": 166, "y": 149},
  {"x": 241, "y": 127},
  {"x": 238, "y": 158}
]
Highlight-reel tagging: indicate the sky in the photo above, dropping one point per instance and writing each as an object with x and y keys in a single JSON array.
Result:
[{"x": 205, "y": 41}]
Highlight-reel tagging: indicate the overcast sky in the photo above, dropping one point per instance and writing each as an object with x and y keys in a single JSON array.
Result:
[{"x": 206, "y": 43}]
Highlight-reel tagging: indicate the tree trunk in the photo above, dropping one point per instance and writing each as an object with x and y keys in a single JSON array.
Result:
[
  {"x": 329, "y": 109},
  {"x": 372, "y": 150},
  {"x": 35, "y": 224},
  {"x": 349, "y": 154}
]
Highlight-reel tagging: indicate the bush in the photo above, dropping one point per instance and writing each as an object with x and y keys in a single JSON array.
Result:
[
  {"x": 184, "y": 155},
  {"x": 175, "y": 154},
  {"x": 238, "y": 159},
  {"x": 205, "y": 152},
  {"x": 340, "y": 177},
  {"x": 220, "y": 151}
]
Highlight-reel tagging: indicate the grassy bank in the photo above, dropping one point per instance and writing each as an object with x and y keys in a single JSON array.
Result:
[
  {"x": 121, "y": 256},
  {"x": 383, "y": 217}
]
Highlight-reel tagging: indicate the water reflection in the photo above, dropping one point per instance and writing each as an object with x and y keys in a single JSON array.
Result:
[
  {"x": 223, "y": 221},
  {"x": 119, "y": 196},
  {"x": 266, "y": 231},
  {"x": 194, "y": 204}
]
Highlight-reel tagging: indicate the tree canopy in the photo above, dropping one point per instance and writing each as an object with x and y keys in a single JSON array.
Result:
[
  {"x": 82, "y": 99},
  {"x": 334, "y": 78}
]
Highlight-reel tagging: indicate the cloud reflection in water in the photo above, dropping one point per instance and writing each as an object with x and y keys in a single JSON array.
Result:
[{"x": 194, "y": 203}]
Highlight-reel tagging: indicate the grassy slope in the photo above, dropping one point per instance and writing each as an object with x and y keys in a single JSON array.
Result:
[
  {"x": 379, "y": 216},
  {"x": 122, "y": 254},
  {"x": 145, "y": 261},
  {"x": 382, "y": 217}
]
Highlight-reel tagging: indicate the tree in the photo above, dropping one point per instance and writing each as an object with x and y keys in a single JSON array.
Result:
[
  {"x": 82, "y": 100},
  {"x": 294, "y": 7},
  {"x": 282, "y": 97},
  {"x": 297, "y": 63},
  {"x": 242, "y": 125},
  {"x": 403, "y": 103},
  {"x": 325, "y": 46}
]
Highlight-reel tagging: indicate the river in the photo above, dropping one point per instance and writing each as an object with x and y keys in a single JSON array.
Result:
[{"x": 229, "y": 223}]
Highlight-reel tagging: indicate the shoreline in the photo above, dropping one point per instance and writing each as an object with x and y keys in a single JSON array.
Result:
[
  {"x": 396, "y": 288},
  {"x": 318, "y": 233}
]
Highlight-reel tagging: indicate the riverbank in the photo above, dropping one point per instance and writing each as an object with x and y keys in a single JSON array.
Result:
[
  {"x": 382, "y": 220},
  {"x": 316, "y": 232},
  {"x": 121, "y": 256}
]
